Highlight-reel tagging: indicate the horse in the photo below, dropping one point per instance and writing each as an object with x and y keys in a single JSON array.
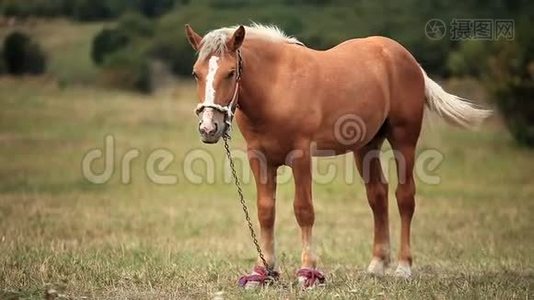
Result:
[{"x": 292, "y": 103}]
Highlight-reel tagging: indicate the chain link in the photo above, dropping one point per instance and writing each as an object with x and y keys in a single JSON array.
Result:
[{"x": 270, "y": 270}]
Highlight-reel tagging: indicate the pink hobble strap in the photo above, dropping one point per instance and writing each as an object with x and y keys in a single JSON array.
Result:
[
  {"x": 259, "y": 274},
  {"x": 312, "y": 276}
]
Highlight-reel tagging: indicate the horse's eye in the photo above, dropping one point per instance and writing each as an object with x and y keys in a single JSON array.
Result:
[
  {"x": 231, "y": 74},
  {"x": 194, "y": 75}
]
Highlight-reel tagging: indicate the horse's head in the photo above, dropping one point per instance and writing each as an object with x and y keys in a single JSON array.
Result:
[{"x": 217, "y": 73}]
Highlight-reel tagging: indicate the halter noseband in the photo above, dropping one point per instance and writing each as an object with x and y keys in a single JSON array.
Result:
[{"x": 228, "y": 110}]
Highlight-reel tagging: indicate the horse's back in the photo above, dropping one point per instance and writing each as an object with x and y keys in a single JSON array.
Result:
[
  {"x": 376, "y": 79},
  {"x": 401, "y": 71},
  {"x": 386, "y": 51}
]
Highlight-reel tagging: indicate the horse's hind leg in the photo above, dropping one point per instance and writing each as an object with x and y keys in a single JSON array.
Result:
[
  {"x": 368, "y": 163},
  {"x": 403, "y": 140}
]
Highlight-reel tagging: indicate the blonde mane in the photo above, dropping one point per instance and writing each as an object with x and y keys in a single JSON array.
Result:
[{"x": 214, "y": 42}]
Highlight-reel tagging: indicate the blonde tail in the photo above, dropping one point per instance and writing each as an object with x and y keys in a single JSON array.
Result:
[{"x": 453, "y": 109}]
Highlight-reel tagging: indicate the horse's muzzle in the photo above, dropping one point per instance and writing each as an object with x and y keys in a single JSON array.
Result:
[{"x": 211, "y": 126}]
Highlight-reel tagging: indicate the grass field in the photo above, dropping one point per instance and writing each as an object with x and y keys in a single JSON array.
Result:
[{"x": 473, "y": 233}]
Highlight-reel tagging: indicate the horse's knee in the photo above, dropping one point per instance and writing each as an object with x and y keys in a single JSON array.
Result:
[
  {"x": 266, "y": 212},
  {"x": 304, "y": 212},
  {"x": 377, "y": 196}
]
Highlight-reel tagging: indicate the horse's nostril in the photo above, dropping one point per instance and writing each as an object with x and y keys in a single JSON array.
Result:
[{"x": 208, "y": 130}]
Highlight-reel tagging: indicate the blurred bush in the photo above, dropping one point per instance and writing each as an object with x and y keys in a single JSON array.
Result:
[
  {"x": 135, "y": 24},
  {"x": 3, "y": 69},
  {"x": 90, "y": 10},
  {"x": 511, "y": 82},
  {"x": 154, "y": 8},
  {"x": 128, "y": 69},
  {"x": 21, "y": 55},
  {"x": 130, "y": 28},
  {"x": 468, "y": 59},
  {"x": 44, "y": 8},
  {"x": 106, "y": 42},
  {"x": 506, "y": 67},
  {"x": 176, "y": 54},
  {"x": 123, "y": 52}
]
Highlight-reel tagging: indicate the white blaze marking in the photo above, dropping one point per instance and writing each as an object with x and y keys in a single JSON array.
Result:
[{"x": 209, "y": 97}]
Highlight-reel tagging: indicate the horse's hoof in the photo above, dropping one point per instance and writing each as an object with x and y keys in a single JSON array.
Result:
[
  {"x": 258, "y": 278},
  {"x": 252, "y": 285},
  {"x": 403, "y": 270},
  {"x": 376, "y": 267},
  {"x": 309, "y": 278}
]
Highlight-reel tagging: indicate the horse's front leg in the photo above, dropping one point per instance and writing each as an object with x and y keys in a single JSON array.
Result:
[
  {"x": 300, "y": 163},
  {"x": 265, "y": 177}
]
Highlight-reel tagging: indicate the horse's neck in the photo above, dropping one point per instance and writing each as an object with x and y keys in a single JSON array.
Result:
[{"x": 261, "y": 59}]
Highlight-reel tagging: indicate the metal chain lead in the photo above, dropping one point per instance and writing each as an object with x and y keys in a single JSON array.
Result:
[{"x": 245, "y": 208}]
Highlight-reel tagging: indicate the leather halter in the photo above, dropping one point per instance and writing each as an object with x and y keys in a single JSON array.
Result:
[{"x": 229, "y": 109}]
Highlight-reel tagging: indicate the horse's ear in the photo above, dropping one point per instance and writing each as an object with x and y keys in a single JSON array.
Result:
[
  {"x": 193, "y": 37},
  {"x": 237, "y": 39}
]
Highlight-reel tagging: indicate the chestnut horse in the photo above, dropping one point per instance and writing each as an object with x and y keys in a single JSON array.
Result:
[{"x": 292, "y": 102}]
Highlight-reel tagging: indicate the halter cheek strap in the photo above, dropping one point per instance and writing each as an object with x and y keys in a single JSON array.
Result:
[{"x": 228, "y": 110}]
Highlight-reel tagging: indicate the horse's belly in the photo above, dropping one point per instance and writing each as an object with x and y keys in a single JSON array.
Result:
[
  {"x": 349, "y": 124},
  {"x": 331, "y": 146}
]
